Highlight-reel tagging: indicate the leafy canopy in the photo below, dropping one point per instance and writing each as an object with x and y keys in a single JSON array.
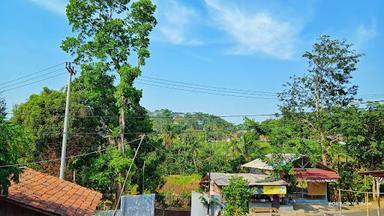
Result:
[
  {"x": 16, "y": 144},
  {"x": 236, "y": 195}
]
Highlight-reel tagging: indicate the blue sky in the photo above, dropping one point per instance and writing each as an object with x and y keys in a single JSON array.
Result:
[{"x": 244, "y": 44}]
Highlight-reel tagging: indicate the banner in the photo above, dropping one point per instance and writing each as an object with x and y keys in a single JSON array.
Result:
[{"x": 270, "y": 190}]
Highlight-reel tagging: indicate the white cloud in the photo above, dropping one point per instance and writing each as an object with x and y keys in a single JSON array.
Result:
[
  {"x": 256, "y": 33},
  {"x": 175, "y": 22},
  {"x": 364, "y": 33},
  {"x": 55, "y": 6}
]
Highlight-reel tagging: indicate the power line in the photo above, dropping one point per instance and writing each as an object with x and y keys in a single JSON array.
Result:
[
  {"x": 179, "y": 116},
  {"x": 31, "y": 74},
  {"x": 29, "y": 79},
  {"x": 69, "y": 157},
  {"x": 208, "y": 86},
  {"x": 164, "y": 117},
  {"x": 214, "y": 89},
  {"x": 37, "y": 81},
  {"x": 204, "y": 92},
  {"x": 137, "y": 133}
]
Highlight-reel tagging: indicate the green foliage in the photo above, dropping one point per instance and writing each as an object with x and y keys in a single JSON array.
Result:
[
  {"x": 104, "y": 170},
  {"x": 16, "y": 145},
  {"x": 187, "y": 139},
  {"x": 364, "y": 135},
  {"x": 2, "y": 107},
  {"x": 110, "y": 32},
  {"x": 254, "y": 147},
  {"x": 327, "y": 84},
  {"x": 182, "y": 180},
  {"x": 43, "y": 115},
  {"x": 108, "y": 36},
  {"x": 93, "y": 118},
  {"x": 311, "y": 99},
  {"x": 236, "y": 195}
]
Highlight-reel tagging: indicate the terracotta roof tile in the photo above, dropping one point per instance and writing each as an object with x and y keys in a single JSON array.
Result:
[{"x": 51, "y": 194}]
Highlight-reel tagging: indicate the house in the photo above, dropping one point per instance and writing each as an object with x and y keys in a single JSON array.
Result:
[
  {"x": 263, "y": 187},
  {"x": 312, "y": 180},
  {"x": 313, "y": 183},
  {"x": 39, "y": 194}
]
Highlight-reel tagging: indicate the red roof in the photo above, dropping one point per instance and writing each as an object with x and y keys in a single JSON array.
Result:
[
  {"x": 317, "y": 175},
  {"x": 51, "y": 194}
]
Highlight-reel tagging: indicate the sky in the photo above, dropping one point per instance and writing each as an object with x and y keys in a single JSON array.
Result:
[{"x": 251, "y": 46}]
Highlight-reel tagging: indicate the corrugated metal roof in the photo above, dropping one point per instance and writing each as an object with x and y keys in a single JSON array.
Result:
[
  {"x": 222, "y": 179},
  {"x": 263, "y": 165},
  {"x": 258, "y": 164},
  {"x": 316, "y": 175}
]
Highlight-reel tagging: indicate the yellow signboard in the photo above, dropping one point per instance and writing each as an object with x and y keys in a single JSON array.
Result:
[
  {"x": 270, "y": 190},
  {"x": 274, "y": 190}
]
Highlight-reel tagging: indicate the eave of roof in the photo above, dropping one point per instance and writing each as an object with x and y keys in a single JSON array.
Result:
[
  {"x": 316, "y": 175},
  {"x": 222, "y": 179},
  {"x": 258, "y": 164},
  {"x": 373, "y": 173}
]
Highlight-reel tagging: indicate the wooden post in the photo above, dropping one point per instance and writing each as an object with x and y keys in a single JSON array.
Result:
[
  {"x": 378, "y": 194},
  {"x": 366, "y": 203},
  {"x": 339, "y": 201},
  {"x": 374, "y": 188}
]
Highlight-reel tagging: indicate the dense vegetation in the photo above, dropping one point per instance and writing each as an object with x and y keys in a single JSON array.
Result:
[
  {"x": 236, "y": 194},
  {"x": 320, "y": 116}
]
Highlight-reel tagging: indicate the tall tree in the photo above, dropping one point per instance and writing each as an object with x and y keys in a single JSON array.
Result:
[
  {"x": 327, "y": 85},
  {"x": 116, "y": 34}
]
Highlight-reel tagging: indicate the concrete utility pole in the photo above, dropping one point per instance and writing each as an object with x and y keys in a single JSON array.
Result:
[{"x": 71, "y": 71}]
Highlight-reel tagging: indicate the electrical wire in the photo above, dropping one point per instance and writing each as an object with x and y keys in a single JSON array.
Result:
[
  {"x": 135, "y": 133},
  {"x": 214, "y": 89},
  {"x": 162, "y": 117},
  {"x": 31, "y": 74},
  {"x": 37, "y": 81},
  {"x": 208, "y": 86},
  {"x": 69, "y": 157},
  {"x": 29, "y": 79},
  {"x": 204, "y": 92}
]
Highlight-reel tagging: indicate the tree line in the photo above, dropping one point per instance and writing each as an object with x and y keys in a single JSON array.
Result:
[{"x": 320, "y": 114}]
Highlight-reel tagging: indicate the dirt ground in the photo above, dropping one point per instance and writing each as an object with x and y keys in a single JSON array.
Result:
[{"x": 306, "y": 209}]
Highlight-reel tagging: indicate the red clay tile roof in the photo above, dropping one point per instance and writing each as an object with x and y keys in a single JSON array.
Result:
[
  {"x": 315, "y": 174},
  {"x": 51, "y": 194}
]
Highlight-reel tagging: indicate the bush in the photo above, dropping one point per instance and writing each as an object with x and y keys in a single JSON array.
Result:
[{"x": 236, "y": 196}]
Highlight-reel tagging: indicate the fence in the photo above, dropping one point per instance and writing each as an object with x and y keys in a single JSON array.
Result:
[{"x": 352, "y": 202}]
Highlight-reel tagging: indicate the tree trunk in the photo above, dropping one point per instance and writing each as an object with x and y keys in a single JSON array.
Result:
[
  {"x": 194, "y": 160},
  {"x": 322, "y": 147},
  {"x": 120, "y": 145},
  {"x": 319, "y": 122},
  {"x": 122, "y": 129}
]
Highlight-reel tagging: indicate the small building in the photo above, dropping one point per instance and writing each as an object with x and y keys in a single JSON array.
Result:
[
  {"x": 314, "y": 183},
  {"x": 264, "y": 188},
  {"x": 39, "y": 194},
  {"x": 312, "y": 180}
]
